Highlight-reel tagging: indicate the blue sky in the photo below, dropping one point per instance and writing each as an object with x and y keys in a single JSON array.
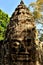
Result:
[{"x": 9, "y": 6}]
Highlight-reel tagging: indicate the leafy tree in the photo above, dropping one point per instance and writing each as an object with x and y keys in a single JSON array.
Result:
[
  {"x": 37, "y": 8},
  {"x": 38, "y": 15},
  {"x": 4, "y": 20},
  {"x": 41, "y": 38}
]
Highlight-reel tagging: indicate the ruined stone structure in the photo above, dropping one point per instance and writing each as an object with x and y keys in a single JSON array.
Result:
[{"x": 20, "y": 42}]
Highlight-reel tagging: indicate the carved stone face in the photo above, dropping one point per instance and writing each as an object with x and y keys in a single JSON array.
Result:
[{"x": 22, "y": 48}]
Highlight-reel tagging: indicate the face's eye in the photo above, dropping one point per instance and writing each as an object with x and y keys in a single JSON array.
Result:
[{"x": 15, "y": 44}]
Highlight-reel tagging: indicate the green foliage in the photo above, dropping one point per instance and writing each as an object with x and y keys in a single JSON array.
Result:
[
  {"x": 4, "y": 20},
  {"x": 37, "y": 9},
  {"x": 41, "y": 38},
  {"x": 38, "y": 15}
]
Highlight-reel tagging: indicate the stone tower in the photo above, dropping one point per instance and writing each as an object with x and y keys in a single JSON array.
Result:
[{"x": 20, "y": 42}]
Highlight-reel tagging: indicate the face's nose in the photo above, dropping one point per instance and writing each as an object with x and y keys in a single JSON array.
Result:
[{"x": 28, "y": 42}]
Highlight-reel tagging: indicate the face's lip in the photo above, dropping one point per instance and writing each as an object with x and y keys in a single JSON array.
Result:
[
  {"x": 23, "y": 53},
  {"x": 24, "y": 59}
]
